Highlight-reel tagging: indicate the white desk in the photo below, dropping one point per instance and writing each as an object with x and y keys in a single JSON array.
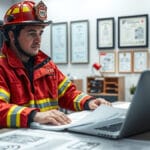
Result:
[
  {"x": 45, "y": 140},
  {"x": 24, "y": 139}
]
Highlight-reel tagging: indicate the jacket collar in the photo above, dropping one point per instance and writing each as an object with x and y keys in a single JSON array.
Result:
[{"x": 15, "y": 62}]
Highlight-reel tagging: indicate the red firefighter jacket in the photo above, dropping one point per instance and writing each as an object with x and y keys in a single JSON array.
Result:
[{"x": 50, "y": 89}]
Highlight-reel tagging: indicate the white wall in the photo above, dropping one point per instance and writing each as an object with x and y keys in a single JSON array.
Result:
[
  {"x": 4, "y": 5},
  {"x": 70, "y": 10}
]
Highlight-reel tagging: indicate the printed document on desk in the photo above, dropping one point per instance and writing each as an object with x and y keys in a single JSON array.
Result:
[
  {"x": 28, "y": 139},
  {"x": 75, "y": 117},
  {"x": 101, "y": 114}
]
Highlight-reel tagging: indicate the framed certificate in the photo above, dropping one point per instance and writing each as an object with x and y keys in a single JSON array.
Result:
[
  {"x": 107, "y": 61},
  {"x": 79, "y": 36},
  {"x": 105, "y": 33},
  {"x": 125, "y": 61},
  {"x": 59, "y": 42},
  {"x": 133, "y": 31},
  {"x": 140, "y": 61}
]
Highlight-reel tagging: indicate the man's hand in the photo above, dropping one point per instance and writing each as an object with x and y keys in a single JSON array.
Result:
[
  {"x": 93, "y": 104},
  {"x": 53, "y": 117}
]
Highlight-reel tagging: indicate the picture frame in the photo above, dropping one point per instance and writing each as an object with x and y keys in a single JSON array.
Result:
[
  {"x": 59, "y": 42},
  {"x": 125, "y": 61},
  {"x": 140, "y": 61},
  {"x": 133, "y": 31},
  {"x": 105, "y": 33},
  {"x": 107, "y": 59},
  {"x": 79, "y": 42}
]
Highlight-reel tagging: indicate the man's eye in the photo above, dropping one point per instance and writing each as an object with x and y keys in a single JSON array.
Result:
[
  {"x": 32, "y": 33},
  {"x": 41, "y": 33}
]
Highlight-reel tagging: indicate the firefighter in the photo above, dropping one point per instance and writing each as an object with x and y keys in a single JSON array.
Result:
[{"x": 32, "y": 88}]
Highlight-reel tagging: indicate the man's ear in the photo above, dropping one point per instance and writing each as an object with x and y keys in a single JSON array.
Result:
[{"x": 11, "y": 36}]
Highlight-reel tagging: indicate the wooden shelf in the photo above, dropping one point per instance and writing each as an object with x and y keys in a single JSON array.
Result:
[{"x": 111, "y": 88}]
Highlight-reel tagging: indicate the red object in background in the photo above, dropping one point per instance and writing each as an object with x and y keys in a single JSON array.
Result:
[{"x": 97, "y": 66}]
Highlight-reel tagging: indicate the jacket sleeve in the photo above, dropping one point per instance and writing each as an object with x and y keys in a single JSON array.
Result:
[
  {"x": 11, "y": 115},
  {"x": 69, "y": 96}
]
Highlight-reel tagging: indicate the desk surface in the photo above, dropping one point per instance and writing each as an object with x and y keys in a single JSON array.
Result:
[{"x": 40, "y": 139}]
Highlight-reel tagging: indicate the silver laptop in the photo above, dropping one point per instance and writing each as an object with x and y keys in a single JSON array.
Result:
[{"x": 133, "y": 121}]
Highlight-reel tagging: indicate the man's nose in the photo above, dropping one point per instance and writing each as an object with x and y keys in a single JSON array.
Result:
[{"x": 38, "y": 38}]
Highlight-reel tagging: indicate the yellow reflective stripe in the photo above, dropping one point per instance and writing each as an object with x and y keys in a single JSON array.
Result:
[
  {"x": 25, "y": 9},
  {"x": 15, "y": 11},
  {"x": 43, "y": 104},
  {"x": 18, "y": 117},
  {"x": 2, "y": 56},
  {"x": 9, "y": 11},
  {"x": 76, "y": 104},
  {"x": 63, "y": 87},
  {"x": 77, "y": 101},
  {"x": 1, "y": 99},
  {"x": 48, "y": 108},
  {"x": 5, "y": 92},
  {"x": 41, "y": 101},
  {"x": 31, "y": 102},
  {"x": 62, "y": 83},
  {"x": 4, "y": 95},
  {"x": 9, "y": 115},
  {"x": 26, "y": 105},
  {"x": 44, "y": 108},
  {"x": 13, "y": 116}
]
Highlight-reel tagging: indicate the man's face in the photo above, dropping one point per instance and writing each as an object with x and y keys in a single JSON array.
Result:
[{"x": 30, "y": 39}]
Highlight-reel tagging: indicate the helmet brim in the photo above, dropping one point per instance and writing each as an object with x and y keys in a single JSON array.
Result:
[{"x": 42, "y": 23}]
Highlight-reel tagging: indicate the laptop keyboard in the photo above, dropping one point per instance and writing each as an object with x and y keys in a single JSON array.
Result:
[{"x": 111, "y": 128}]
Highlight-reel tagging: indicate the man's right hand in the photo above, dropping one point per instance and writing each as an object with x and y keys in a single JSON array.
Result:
[{"x": 53, "y": 117}]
